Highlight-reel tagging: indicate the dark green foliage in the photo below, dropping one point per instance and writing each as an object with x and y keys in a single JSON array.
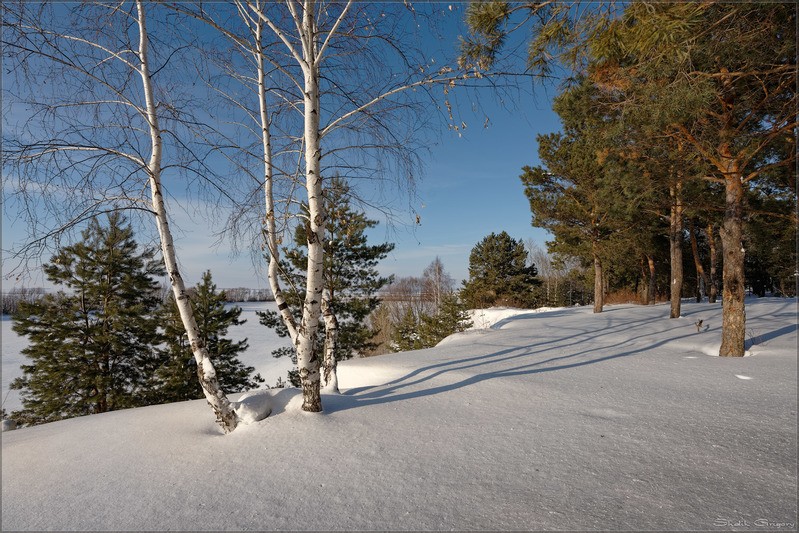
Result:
[
  {"x": 490, "y": 23},
  {"x": 178, "y": 374},
  {"x": 498, "y": 274},
  {"x": 426, "y": 331},
  {"x": 486, "y": 20},
  {"x": 406, "y": 334},
  {"x": 697, "y": 107},
  {"x": 350, "y": 275},
  {"x": 451, "y": 317},
  {"x": 93, "y": 345},
  {"x": 577, "y": 197},
  {"x": 770, "y": 237}
]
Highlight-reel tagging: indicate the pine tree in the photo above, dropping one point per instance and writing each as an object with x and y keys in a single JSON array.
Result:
[
  {"x": 587, "y": 196},
  {"x": 93, "y": 345},
  {"x": 350, "y": 276},
  {"x": 499, "y": 274},
  {"x": 406, "y": 334},
  {"x": 178, "y": 372},
  {"x": 730, "y": 72},
  {"x": 451, "y": 317}
]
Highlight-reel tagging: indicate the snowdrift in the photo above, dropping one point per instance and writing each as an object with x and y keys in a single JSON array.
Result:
[{"x": 552, "y": 420}]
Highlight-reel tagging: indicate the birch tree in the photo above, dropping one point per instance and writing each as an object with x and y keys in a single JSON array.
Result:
[
  {"x": 360, "y": 86},
  {"x": 95, "y": 142}
]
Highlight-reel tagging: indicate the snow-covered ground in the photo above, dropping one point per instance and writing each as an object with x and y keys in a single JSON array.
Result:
[
  {"x": 261, "y": 339},
  {"x": 554, "y": 420}
]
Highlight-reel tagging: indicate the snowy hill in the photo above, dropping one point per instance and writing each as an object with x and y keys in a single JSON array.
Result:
[{"x": 553, "y": 420}]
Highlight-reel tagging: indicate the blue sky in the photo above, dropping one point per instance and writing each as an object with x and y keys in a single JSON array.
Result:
[{"x": 469, "y": 187}]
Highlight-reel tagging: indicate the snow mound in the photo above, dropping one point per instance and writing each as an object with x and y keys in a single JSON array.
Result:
[
  {"x": 495, "y": 317},
  {"x": 253, "y": 407}
]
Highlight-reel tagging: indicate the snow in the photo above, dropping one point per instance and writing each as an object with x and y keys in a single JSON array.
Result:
[
  {"x": 12, "y": 345},
  {"x": 554, "y": 420},
  {"x": 254, "y": 406},
  {"x": 495, "y": 316}
]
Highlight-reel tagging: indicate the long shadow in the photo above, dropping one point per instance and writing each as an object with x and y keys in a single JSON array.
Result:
[
  {"x": 492, "y": 359},
  {"x": 387, "y": 393},
  {"x": 577, "y": 334},
  {"x": 765, "y": 337}
]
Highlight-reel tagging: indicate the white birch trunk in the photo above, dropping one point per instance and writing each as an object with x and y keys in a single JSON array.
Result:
[
  {"x": 270, "y": 230},
  {"x": 329, "y": 363},
  {"x": 308, "y": 332},
  {"x": 226, "y": 416}
]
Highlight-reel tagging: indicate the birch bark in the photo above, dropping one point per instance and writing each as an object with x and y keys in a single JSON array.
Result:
[
  {"x": 307, "y": 334},
  {"x": 226, "y": 416},
  {"x": 329, "y": 364},
  {"x": 270, "y": 227}
]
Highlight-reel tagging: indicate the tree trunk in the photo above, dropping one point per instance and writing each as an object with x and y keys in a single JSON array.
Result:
[
  {"x": 308, "y": 332},
  {"x": 329, "y": 364},
  {"x": 270, "y": 229},
  {"x": 732, "y": 296},
  {"x": 640, "y": 282},
  {"x": 650, "y": 297},
  {"x": 713, "y": 289},
  {"x": 225, "y": 415},
  {"x": 675, "y": 247},
  {"x": 701, "y": 275},
  {"x": 599, "y": 297}
]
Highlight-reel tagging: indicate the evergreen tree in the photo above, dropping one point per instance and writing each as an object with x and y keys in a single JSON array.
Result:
[
  {"x": 425, "y": 331},
  {"x": 451, "y": 317},
  {"x": 93, "y": 345},
  {"x": 499, "y": 274},
  {"x": 178, "y": 374},
  {"x": 350, "y": 276},
  {"x": 735, "y": 64},
  {"x": 583, "y": 197},
  {"x": 406, "y": 335}
]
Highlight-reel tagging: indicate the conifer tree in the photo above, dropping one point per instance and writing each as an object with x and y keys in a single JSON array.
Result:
[
  {"x": 499, "y": 274},
  {"x": 177, "y": 375},
  {"x": 425, "y": 331},
  {"x": 450, "y": 318},
  {"x": 351, "y": 280},
  {"x": 406, "y": 335},
  {"x": 93, "y": 344},
  {"x": 730, "y": 71}
]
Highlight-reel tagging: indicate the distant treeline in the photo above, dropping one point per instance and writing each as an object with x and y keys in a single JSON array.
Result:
[
  {"x": 242, "y": 294},
  {"x": 13, "y": 297}
]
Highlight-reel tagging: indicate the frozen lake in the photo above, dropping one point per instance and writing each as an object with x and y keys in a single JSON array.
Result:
[{"x": 261, "y": 339}]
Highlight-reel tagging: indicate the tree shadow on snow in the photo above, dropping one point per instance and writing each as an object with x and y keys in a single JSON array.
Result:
[
  {"x": 524, "y": 360},
  {"x": 572, "y": 336},
  {"x": 765, "y": 337},
  {"x": 527, "y": 360}
]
